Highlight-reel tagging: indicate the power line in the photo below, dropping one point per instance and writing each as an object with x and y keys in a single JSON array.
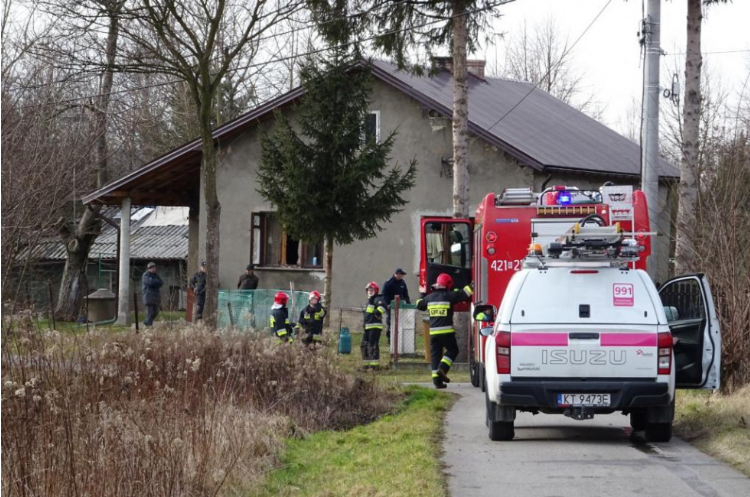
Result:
[
  {"x": 549, "y": 71},
  {"x": 712, "y": 53}
]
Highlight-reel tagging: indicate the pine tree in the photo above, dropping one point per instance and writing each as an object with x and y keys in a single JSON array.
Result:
[{"x": 327, "y": 181}]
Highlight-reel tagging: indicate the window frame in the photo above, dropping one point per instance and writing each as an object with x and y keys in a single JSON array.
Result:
[
  {"x": 262, "y": 261},
  {"x": 375, "y": 113}
]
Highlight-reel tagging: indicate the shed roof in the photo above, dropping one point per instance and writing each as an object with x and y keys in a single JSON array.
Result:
[
  {"x": 150, "y": 237},
  {"x": 526, "y": 122}
]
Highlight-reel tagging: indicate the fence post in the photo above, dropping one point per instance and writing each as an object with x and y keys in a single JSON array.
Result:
[
  {"x": 51, "y": 304},
  {"x": 395, "y": 327},
  {"x": 135, "y": 309},
  {"x": 231, "y": 317}
]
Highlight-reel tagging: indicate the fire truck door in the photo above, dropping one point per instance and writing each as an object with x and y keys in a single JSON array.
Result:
[{"x": 446, "y": 248}]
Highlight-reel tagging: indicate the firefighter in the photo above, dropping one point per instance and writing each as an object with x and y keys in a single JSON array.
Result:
[
  {"x": 439, "y": 305},
  {"x": 280, "y": 325},
  {"x": 373, "y": 326},
  {"x": 311, "y": 319}
]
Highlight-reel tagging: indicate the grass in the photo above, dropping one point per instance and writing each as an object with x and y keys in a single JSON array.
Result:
[
  {"x": 68, "y": 326},
  {"x": 410, "y": 372},
  {"x": 394, "y": 456},
  {"x": 717, "y": 424}
]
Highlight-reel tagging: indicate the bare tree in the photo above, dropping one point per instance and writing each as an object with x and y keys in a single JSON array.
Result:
[
  {"x": 541, "y": 56},
  {"x": 199, "y": 42},
  {"x": 688, "y": 190}
]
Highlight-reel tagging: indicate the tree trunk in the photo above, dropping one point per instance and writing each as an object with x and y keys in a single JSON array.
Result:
[
  {"x": 78, "y": 242},
  {"x": 688, "y": 189},
  {"x": 328, "y": 284},
  {"x": 213, "y": 216},
  {"x": 460, "y": 116}
]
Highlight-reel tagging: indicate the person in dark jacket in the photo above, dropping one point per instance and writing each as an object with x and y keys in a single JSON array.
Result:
[
  {"x": 198, "y": 284},
  {"x": 279, "y": 321},
  {"x": 248, "y": 280},
  {"x": 439, "y": 305},
  {"x": 373, "y": 325},
  {"x": 311, "y": 319},
  {"x": 151, "y": 293},
  {"x": 391, "y": 288}
]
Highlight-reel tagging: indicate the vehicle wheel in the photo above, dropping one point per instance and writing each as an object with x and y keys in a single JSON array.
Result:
[
  {"x": 638, "y": 420},
  {"x": 498, "y": 430},
  {"x": 474, "y": 373},
  {"x": 658, "y": 432},
  {"x": 483, "y": 376}
]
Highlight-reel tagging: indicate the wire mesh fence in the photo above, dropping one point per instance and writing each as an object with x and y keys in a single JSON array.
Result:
[
  {"x": 404, "y": 322},
  {"x": 251, "y": 309}
]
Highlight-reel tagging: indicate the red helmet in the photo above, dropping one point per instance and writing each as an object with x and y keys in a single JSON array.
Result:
[
  {"x": 281, "y": 298},
  {"x": 444, "y": 280},
  {"x": 374, "y": 286},
  {"x": 314, "y": 295}
]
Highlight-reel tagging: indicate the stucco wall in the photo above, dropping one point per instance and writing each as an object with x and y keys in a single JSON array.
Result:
[{"x": 397, "y": 245}]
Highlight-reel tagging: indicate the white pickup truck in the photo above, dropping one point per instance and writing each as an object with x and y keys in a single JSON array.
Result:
[{"x": 585, "y": 339}]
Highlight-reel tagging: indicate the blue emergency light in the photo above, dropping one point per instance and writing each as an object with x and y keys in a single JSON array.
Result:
[{"x": 564, "y": 198}]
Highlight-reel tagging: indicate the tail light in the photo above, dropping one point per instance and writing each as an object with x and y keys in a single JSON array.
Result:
[
  {"x": 502, "y": 343},
  {"x": 665, "y": 353}
]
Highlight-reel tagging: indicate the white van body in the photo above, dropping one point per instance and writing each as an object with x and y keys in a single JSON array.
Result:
[{"x": 585, "y": 339}]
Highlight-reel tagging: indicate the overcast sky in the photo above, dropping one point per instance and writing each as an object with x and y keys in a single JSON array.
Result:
[{"x": 609, "y": 53}]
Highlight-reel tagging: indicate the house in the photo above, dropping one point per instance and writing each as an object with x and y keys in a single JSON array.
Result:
[
  {"x": 519, "y": 138},
  {"x": 157, "y": 234}
]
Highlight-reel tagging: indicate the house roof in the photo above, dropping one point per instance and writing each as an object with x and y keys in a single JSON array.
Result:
[
  {"x": 156, "y": 234},
  {"x": 529, "y": 124}
]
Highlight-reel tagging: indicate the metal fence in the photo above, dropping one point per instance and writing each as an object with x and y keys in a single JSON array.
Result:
[{"x": 251, "y": 309}]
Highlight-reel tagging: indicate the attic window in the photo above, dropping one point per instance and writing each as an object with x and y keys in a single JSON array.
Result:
[{"x": 372, "y": 127}]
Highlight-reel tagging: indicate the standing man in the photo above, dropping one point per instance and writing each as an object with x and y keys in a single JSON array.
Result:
[
  {"x": 311, "y": 319},
  {"x": 394, "y": 286},
  {"x": 248, "y": 280},
  {"x": 198, "y": 284},
  {"x": 151, "y": 294},
  {"x": 439, "y": 305},
  {"x": 279, "y": 320},
  {"x": 373, "y": 325}
]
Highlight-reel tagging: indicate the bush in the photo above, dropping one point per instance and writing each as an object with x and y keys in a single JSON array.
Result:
[{"x": 168, "y": 413}]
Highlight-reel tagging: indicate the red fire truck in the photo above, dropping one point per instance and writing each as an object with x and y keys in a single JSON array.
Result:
[{"x": 490, "y": 248}]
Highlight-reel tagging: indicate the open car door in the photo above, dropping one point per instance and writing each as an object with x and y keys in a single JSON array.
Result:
[
  {"x": 446, "y": 248},
  {"x": 692, "y": 319}
]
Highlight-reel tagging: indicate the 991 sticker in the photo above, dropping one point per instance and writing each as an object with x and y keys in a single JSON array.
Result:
[{"x": 623, "y": 295}]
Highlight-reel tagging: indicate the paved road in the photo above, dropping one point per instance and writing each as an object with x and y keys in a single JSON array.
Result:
[{"x": 556, "y": 456}]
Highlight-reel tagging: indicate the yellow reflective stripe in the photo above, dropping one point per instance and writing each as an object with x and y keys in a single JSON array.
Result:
[
  {"x": 468, "y": 290},
  {"x": 442, "y": 331},
  {"x": 447, "y": 360},
  {"x": 281, "y": 333},
  {"x": 370, "y": 308},
  {"x": 373, "y": 326},
  {"x": 418, "y": 301},
  {"x": 317, "y": 337},
  {"x": 286, "y": 321},
  {"x": 381, "y": 309},
  {"x": 438, "y": 306},
  {"x": 435, "y": 375},
  {"x": 273, "y": 321},
  {"x": 319, "y": 315}
]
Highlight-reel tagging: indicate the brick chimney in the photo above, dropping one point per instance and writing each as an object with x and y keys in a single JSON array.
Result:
[{"x": 475, "y": 67}]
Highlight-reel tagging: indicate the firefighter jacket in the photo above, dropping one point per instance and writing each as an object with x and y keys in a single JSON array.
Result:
[
  {"x": 279, "y": 322},
  {"x": 311, "y": 318},
  {"x": 439, "y": 305},
  {"x": 374, "y": 312}
]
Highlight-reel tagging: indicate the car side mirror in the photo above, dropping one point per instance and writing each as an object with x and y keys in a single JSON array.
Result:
[
  {"x": 485, "y": 331},
  {"x": 484, "y": 313}
]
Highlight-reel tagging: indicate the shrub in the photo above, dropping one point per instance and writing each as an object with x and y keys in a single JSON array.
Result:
[{"x": 167, "y": 413}]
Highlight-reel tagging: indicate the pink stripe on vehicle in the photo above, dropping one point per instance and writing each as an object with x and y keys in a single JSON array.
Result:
[
  {"x": 628, "y": 339},
  {"x": 539, "y": 339}
]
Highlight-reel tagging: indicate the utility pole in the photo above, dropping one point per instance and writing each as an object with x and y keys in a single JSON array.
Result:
[{"x": 650, "y": 135}]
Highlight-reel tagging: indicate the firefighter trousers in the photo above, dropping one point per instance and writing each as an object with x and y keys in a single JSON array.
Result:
[
  {"x": 371, "y": 347},
  {"x": 443, "y": 360}
]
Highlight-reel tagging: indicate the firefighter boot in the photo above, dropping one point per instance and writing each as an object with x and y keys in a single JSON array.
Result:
[
  {"x": 437, "y": 381},
  {"x": 443, "y": 373}
]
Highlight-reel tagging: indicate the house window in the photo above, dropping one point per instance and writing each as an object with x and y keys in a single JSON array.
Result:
[
  {"x": 372, "y": 127},
  {"x": 271, "y": 246}
]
